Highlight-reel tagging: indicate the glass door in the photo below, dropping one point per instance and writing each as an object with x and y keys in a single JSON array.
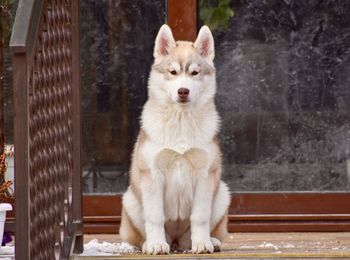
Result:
[
  {"x": 283, "y": 94},
  {"x": 282, "y": 73}
]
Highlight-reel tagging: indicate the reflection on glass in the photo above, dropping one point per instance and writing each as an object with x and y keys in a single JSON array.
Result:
[
  {"x": 283, "y": 71},
  {"x": 117, "y": 40},
  {"x": 283, "y": 91}
]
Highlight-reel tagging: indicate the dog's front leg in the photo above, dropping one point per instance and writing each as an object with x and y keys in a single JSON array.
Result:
[
  {"x": 153, "y": 206},
  {"x": 200, "y": 216}
]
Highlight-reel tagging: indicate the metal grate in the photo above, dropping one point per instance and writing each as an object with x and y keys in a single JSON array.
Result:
[
  {"x": 50, "y": 129},
  {"x": 49, "y": 168}
]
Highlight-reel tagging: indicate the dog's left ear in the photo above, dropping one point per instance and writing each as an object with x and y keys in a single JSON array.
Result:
[{"x": 205, "y": 43}]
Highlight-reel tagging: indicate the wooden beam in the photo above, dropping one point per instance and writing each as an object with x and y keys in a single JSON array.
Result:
[{"x": 182, "y": 19}]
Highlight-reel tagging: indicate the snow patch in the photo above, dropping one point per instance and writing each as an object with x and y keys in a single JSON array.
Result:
[
  {"x": 267, "y": 245},
  {"x": 289, "y": 246},
  {"x": 246, "y": 247},
  {"x": 94, "y": 247}
]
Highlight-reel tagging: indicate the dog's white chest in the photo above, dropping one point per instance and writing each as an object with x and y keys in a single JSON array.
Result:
[
  {"x": 180, "y": 173},
  {"x": 178, "y": 190}
]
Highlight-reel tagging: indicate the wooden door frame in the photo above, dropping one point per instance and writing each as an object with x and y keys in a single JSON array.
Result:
[{"x": 249, "y": 212}]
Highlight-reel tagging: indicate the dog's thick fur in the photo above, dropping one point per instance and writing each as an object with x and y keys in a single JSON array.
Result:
[{"x": 176, "y": 198}]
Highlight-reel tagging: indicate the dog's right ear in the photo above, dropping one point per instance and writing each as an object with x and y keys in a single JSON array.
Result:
[{"x": 164, "y": 42}]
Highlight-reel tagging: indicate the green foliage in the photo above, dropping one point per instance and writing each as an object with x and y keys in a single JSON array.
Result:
[
  {"x": 215, "y": 14},
  {"x": 5, "y": 14}
]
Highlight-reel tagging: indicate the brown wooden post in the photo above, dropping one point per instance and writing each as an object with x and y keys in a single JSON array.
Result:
[
  {"x": 182, "y": 19},
  {"x": 22, "y": 202},
  {"x": 20, "y": 90},
  {"x": 77, "y": 177}
]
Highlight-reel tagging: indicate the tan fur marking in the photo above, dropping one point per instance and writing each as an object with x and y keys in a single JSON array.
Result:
[
  {"x": 220, "y": 230},
  {"x": 128, "y": 233},
  {"x": 216, "y": 167},
  {"x": 138, "y": 166},
  {"x": 136, "y": 190},
  {"x": 183, "y": 53}
]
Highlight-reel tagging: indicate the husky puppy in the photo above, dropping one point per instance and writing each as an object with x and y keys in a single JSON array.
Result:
[{"x": 176, "y": 199}]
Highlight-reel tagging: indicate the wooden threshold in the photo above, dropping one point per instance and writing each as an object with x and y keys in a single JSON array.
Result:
[{"x": 249, "y": 212}]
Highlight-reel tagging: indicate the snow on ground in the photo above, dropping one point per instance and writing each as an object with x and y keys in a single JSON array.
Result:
[
  {"x": 267, "y": 245},
  {"x": 94, "y": 248}
]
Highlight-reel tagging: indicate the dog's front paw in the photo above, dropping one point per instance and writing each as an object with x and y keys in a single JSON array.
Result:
[
  {"x": 155, "y": 248},
  {"x": 202, "y": 247}
]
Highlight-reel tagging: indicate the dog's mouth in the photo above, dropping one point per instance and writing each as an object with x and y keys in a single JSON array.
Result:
[{"x": 183, "y": 100}]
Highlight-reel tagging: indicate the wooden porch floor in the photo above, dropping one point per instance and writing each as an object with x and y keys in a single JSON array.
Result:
[{"x": 257, "y": 245}]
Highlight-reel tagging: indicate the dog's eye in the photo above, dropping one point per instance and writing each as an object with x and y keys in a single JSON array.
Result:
[
  {"x": 173, "y": 72},
  {"x": 194, "y": 73}
]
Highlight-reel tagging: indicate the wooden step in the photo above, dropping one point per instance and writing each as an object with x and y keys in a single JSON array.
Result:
[{"x": 315, "y": 245}]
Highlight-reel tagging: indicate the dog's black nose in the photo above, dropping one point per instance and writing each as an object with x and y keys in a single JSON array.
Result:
[{"x": 183, "y": 93}]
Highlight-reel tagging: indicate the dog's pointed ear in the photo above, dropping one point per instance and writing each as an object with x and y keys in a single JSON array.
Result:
[
  {"x": 205, "y": 43},
  {"x": 164, "y": 42}
]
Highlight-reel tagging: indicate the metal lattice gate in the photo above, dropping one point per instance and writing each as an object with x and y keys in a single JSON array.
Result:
[{"x": 45, "y": 47}]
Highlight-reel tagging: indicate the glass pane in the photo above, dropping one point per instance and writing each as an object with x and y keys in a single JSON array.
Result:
[
  {"x": 283, "y": 72},
  {"x": 117, "y": 40}
]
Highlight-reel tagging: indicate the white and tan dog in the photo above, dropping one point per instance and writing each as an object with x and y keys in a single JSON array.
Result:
[{"x": 176, "y": 198}]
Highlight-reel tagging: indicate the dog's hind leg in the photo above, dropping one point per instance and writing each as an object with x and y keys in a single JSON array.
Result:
[
  {"x": 219, "y": 216},
  {"x": 131, "y": 226},
  {"x": 219, "y": 233}
]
